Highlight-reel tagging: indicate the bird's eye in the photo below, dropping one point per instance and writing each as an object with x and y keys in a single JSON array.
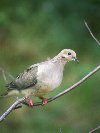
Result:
[{"x": 69, "y": 53}]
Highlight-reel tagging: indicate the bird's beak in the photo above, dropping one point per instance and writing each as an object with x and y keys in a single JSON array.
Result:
[{"x": 75, "y": 59}]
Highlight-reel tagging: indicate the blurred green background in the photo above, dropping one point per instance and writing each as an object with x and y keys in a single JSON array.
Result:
[{"x": 30, "y": 32}]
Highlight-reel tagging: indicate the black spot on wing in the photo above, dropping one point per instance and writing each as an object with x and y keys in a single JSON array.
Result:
[
  {"x": 18, "y": 77},
  {"x": 28, "y": 69}
]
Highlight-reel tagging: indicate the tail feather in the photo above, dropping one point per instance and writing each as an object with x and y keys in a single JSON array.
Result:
[
  {"x": 6, "y": 82},
  {"x": 4, "y": 76},
  {"x": 7, "y": 76},
  {"x": 11, "y": 86}
]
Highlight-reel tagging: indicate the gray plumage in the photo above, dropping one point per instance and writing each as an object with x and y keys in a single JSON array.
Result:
[{"x": 25, "y": 80}]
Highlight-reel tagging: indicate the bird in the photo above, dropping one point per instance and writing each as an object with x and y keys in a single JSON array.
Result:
[{"x": 41, "y": 78}]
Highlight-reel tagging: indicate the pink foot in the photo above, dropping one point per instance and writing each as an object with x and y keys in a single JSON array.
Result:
[
  {"x": 44, "y": 101},
  {"x": 30, "y": 102}
]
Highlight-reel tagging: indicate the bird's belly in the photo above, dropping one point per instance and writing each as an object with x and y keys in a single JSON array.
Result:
[
  {"x": 51, "y": 82},
  {"x": 38, "y": 90},
  {"x": 42, "y": 90}
]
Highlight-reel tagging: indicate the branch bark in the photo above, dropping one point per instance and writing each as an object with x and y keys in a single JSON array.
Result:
[{"x": 22, "y": 100}]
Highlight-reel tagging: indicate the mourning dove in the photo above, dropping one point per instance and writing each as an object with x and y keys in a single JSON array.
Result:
[{"x": 41, "y": 78}]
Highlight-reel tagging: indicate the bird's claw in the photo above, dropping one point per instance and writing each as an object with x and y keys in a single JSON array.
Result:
[
  {"x": 44, "y": 101},
  {"x": 29, "y": 102}
]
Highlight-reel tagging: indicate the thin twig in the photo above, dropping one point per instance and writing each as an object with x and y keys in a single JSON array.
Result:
[
  {"x": 91, "y": 33},
  {"x": 22, "y": 100},
  {"x": 60, "y": 130},
  {"x": 9, "y": 110},
  {"x": 95, "y": 129}
]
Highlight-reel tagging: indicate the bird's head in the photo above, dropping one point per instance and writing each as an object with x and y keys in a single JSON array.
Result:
[{"x": 68, "y": 55}]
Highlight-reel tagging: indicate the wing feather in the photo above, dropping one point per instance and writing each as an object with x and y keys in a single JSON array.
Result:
[{"x": 25, "y": 80}]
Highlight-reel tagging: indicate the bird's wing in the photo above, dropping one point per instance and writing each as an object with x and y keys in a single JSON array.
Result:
[{"x": 25, "y": 80}]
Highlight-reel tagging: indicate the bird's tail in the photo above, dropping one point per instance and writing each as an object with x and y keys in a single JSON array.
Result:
[
  {"x": 6, "y": 81},
  {"x": 7, "y": 76}
]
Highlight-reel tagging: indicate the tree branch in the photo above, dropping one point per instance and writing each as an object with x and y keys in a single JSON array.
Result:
[
  {"x": 91, "y": 33},
  {"x": 95, "y": 129},
  {"x": 11, "y": 108},
  {"x": 60, "y": 130},
  {"x": 22, "y": 100}
]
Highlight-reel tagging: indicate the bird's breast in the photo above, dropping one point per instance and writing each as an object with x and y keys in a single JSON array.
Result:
[{"x": 50, "y": 75}]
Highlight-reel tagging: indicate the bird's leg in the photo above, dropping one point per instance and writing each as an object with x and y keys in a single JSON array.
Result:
[
  {"x": 29, "y": 102},
  {"x": 44, "y": 100}
]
